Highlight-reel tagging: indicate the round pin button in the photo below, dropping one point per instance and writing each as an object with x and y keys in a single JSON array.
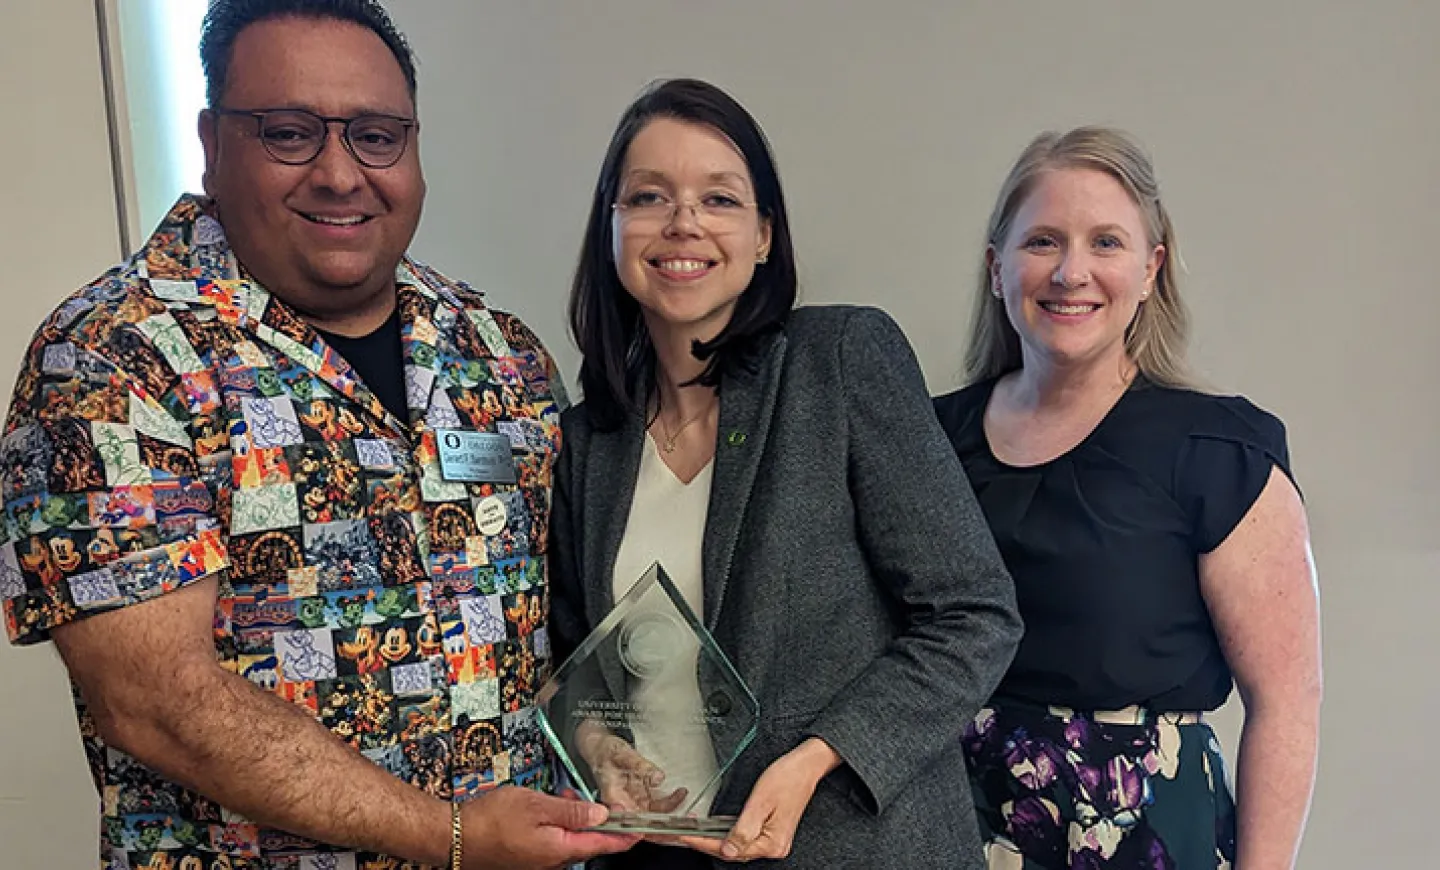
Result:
[
  {"x": 490, "y": 515},
  {"x": 718, "y": 703}
]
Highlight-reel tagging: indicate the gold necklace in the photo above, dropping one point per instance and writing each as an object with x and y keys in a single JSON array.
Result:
[{"x": 670, "y": 438}]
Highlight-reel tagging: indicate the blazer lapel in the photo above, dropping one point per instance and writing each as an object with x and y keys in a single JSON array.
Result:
[
  {"x": 747, "y": 404},
  {"x": 611, "y": 471}
]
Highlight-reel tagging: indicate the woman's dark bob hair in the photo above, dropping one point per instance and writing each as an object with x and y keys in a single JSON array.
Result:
[{"x": 618, "y": 369}]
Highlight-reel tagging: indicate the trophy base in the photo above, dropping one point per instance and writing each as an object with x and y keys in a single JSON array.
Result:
[{"x": 717, "y": 827}]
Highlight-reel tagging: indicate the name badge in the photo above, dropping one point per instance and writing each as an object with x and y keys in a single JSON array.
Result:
[{"x": 474, "y": 457}]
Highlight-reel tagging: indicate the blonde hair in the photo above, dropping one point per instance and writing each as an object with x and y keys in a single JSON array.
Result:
[{"x": 1156, "y": 339}]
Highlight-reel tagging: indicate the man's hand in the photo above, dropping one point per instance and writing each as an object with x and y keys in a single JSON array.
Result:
[
  {"x": 519, "y": 829},
  {"x": 628, "y": 781},
  {"x": 766, "y": 826}
]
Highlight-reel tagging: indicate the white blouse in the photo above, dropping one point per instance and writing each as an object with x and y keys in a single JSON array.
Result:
[{"x": 667, "y": 525}]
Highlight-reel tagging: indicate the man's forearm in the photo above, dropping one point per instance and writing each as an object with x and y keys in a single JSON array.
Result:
[
  {"x": 1276, "y": 776},
  {"x": 272, "y": 762}
]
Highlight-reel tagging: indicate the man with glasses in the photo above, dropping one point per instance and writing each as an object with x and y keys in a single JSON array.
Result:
[{"x": 251, "y": 495}]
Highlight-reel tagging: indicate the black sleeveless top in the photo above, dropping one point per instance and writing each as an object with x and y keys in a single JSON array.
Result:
[{"x": 1104, "y": 543}]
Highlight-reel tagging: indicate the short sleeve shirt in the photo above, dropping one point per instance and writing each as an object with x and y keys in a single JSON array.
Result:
[
  {"x": 174, "y": 421},
  {"x": 1104, "y": 543}
]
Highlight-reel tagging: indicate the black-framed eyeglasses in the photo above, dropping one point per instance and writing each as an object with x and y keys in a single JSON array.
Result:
[{"x": 296, "y": 136}]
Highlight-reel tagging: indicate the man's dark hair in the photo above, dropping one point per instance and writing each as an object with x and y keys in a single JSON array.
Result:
[
  {"x": 227, "y": 18},
  {"x": 618, "y": 366}
]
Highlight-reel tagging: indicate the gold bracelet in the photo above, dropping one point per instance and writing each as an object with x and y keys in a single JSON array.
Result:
[{"x": 457, "y": 838}]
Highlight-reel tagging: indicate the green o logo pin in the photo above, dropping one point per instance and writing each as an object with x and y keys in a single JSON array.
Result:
[{"x": 735, "y": 438}]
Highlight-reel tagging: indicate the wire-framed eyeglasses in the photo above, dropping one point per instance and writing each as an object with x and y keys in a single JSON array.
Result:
[{"x": 652, "y": 210}]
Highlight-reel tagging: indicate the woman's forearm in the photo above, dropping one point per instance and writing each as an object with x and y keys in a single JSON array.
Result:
[{"x": 1276, "y": 776}]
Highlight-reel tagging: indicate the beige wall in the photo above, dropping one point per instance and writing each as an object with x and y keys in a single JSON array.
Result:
[
  {"x": 60, "y": 230},
  {"x": 1295, "y": 142}
]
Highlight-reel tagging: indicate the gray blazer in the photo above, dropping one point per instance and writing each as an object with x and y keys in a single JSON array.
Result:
[{"x": 847, "y": 572}]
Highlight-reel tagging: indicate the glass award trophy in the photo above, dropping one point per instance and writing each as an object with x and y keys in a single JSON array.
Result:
[{"x": 647, "y": 715}]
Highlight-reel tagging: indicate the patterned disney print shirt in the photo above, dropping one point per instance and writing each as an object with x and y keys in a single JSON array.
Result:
[{"x": 174, "y": 421}]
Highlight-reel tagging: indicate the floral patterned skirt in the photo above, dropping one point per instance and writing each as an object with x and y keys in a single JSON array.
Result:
[{"x": 1130, "y": 789}]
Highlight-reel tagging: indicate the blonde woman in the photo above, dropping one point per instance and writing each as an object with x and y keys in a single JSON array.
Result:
[{"x": 1157, "y": 541}]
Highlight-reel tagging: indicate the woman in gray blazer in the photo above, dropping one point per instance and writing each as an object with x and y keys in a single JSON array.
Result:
[{"x": 787, "y": 470}]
